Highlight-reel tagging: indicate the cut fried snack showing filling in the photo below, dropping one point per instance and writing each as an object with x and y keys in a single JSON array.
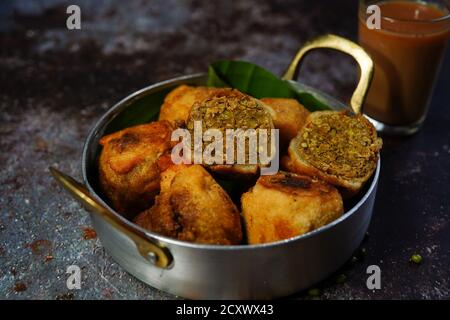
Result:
[
  {"x": 193, "y": 207},
  {"x": 230, "y": 109},
  {"x": 128, "y": 170},
  {"x": 286, "y": 205},
  {"x": 339, "y": 147},
  {"x": 287, "y": 114}
]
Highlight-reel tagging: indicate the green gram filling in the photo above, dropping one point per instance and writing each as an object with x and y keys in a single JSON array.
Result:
[
  {"x": 341, "y": 145},
  {"x": 233, "y": 111}
]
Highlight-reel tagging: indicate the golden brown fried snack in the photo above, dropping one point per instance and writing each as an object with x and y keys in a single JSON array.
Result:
[
  {"x": 231, "y": 109},
  {"x": 129, "y": 174},
  {"x": 288, "y": 116},
  {"x": 338, "y": 147},
  {"x": 286, "y": 205},
  {"x": 193, "y": 207},
  {"x": 178, "y": 103}
]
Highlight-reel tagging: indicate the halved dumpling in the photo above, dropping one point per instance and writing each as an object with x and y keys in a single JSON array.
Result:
[
  {"x": 288, "y": 115},
  {"x": 230, "y": 109},
  {"x": 336, "y": 146}
]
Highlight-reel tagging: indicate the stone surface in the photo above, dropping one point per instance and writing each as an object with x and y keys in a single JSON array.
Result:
[{"x": 56, "y": 83}]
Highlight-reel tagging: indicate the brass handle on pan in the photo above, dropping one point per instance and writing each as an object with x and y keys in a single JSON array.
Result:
[
  {"x": 159, "y": 256},
  {"x": 331, "y": 41}
]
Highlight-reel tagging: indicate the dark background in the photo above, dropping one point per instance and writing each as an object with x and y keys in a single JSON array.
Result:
[{"x": 56, "y": 83}]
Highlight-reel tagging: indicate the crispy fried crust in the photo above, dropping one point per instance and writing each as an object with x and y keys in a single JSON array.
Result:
[
  {"x": 178, "y": 103},
  {"x": 337, "y": 147},
  {"x": 193, "y": 207},
  {"x": 286, "y": 205},
  {"x": 288, "y": 116},
  {"x": 128, "y": 170}
]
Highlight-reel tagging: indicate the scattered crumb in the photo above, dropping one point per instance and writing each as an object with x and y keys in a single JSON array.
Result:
[
  {"x": 89, "y": 234},
  {"x": 107, "y": 293},
  {"x": 40, "y": 144},
  {"x": 39, "y": 246},
  {"x": 65, "y": 296},
  {"x": 20, "y": 287}
]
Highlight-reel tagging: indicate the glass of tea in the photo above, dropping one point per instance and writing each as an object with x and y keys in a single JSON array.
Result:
[{"x": 407, "y": 44}]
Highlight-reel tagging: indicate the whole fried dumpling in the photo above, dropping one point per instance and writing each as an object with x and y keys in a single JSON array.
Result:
[
  {"x": 288, "y": 116},
  {"x": 286, "y": 205},
  {"x": 193, "y": 207},
  {"x": 128, "y": 170}
]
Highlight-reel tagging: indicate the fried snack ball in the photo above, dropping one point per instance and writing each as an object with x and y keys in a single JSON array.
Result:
[
  {"x": 288, "y": 116},
  {"x": 336, "y": 146},
  {"x": 128, "y": 170},
  {"x": 286, "y": 205},
  {"x": 193, "y": 207}
]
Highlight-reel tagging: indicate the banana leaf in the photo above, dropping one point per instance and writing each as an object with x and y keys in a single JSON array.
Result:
[{"x": 259, "y": 83}]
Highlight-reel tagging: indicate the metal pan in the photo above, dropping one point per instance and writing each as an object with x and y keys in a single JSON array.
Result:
[{"x": 199, "y": 271}]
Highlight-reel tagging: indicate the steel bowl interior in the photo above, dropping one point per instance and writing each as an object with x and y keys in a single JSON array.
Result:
[{"x": 139, "y": 108}]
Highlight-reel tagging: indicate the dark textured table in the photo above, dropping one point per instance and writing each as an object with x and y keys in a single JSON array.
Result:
[{"x": 56, "y": 83}]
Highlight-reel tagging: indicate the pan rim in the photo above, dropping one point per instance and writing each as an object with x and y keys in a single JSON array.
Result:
[{"x": 169, "y": 242}]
